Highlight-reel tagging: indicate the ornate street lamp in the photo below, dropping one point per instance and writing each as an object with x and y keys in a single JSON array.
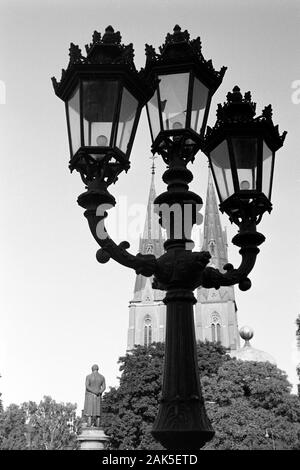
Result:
[
  {"x": 241, "y": 150},
  {"x": 185, "y": 84},
  {"x": 104, "y": 95}
]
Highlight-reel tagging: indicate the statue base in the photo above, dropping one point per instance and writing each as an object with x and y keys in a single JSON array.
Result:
[{"x": 92, "y": 438}]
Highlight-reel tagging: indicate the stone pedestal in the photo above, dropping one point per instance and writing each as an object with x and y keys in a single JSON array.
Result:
[{"x": 92, "y": 439}]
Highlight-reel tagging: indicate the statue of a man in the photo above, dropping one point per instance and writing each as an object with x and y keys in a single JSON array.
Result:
[{"x": 94, "y": 387}]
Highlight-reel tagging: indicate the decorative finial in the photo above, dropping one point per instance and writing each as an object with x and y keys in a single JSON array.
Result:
[
  {"x": 236, "y": 108},
  {"x": 153, "y": 157},
  {"x": 75, "y": 54},
  {"x": 246, "y": 333},
  {"x": 235, "y": 95},
  {"x": 110, "y": 37},
  {"x": 267, "y": 112}
]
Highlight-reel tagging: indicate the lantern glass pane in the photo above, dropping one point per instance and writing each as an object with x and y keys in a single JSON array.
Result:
[
  {"x": 173, "y": 91},
  {"x": 220, "y": 161},
  {"x": 74, "y": 121},
  {"x": 267, "y": 170},
  {"x": 245, "y": 154},
  {"x": 153, "y": 115},
  {"x": 126, "y": 120},
  {"x": 99, "y": 106},
  {"x": 199, "y": 102}
]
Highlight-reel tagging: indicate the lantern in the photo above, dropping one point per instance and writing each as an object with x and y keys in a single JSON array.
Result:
[
  {"x": 185, "y": 83},
  {"x": 103, "y": 95},
  {"x": 241, "y": 150}
]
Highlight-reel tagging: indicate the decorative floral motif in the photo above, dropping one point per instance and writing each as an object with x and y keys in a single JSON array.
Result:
[
  {"x": 267, "y": 112},
  {"x": 75, "y": 55}
]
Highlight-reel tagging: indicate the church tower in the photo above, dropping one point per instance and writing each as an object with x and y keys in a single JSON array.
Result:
[
  {"x": 216, "y": 311},
  {"x": 147, "y": 312}
]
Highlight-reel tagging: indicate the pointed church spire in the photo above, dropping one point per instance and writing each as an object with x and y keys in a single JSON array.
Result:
[
  {"x": 151, "y": 228},
  {"x": 214, "y": 238},
  {"x": 153, "y": 165},
  {"x": 216, "y": 310},
  {"x": 147, "y": 312},
  {"x": 152, "y": 241}
]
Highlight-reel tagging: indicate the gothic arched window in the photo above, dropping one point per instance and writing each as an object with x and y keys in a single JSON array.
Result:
[
  {"x": 218, "y": 328},
  {"x": 149, "y": 249},
  {"x": 147, "y": 331},
  {"x": 215, "y": 328},
  {"x": 215, "y": 332}
]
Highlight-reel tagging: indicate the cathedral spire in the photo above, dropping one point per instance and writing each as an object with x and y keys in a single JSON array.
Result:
[
  {"x": 152, "y": 229},
  {"x": 216, "y": 310},
  {"x": 153, "y": 165},
  {"x": 152, "y": 240},
  {"x": 214, "y": 238},
  {"x": 147, "y": 312}
]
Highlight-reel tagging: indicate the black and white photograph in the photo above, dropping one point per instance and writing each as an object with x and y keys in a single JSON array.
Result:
[{"x": 150, "y": 221}]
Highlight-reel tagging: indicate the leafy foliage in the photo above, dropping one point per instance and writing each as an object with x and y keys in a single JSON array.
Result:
[
  {"x": 298, "y": 345},
  {"x": 12, "y": 428},
  {"x": 46, "y": 426},
  {"x": 250, "y": 407},
  {"x": 239, "y": 426},
  {"x": 130, "y": 410},
  {"x": 210, "y": 357},
  {"x": 248, "y": 403}
]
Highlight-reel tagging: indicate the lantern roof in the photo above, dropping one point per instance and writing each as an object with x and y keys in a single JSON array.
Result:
[
  {"x": 179, "y": 50},
  {"x": 237, "y": 115},
  {"x": 105, "y": 54}
]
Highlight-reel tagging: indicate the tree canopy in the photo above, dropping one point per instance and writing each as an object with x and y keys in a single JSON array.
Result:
[
  {"x": 251, "y": 407},
  {"x": 249, "y": 403},
  {"x": 45, "y": 426}
]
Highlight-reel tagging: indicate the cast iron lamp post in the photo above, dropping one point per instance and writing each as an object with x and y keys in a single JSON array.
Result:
[{"x": 104, "y": 95}]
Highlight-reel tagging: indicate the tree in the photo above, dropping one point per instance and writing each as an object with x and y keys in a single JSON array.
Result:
[
  {"x": 250, "y": 407},
  {"x": 298, "y": 345},
  {"x": 47, "y": 426},
  {"x": 53, "y": 424},
  {"x": 1, "y": 404},
  {"x": 130, "y": 409},
  {"x": 239, "y": 426},
  {"x": 12, "y": 428},
  {"x": 248, "y": 403}
]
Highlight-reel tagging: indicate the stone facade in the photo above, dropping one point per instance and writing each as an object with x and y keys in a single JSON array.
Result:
[
  {"x": 215, "y": 311},
  {"x": 147, "y": 312}
]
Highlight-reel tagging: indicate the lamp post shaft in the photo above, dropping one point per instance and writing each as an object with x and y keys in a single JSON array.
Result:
[{"x": 181, "y": 422}]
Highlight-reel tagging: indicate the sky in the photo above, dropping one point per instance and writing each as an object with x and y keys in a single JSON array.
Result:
[{"x": 60, "y": 310}]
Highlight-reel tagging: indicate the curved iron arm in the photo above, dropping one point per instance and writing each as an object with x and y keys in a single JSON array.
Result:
[
  {"x": 249, "y": 242},
  {"x": 142, "y": 264},
  {"x": 183, "y": 268}
]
